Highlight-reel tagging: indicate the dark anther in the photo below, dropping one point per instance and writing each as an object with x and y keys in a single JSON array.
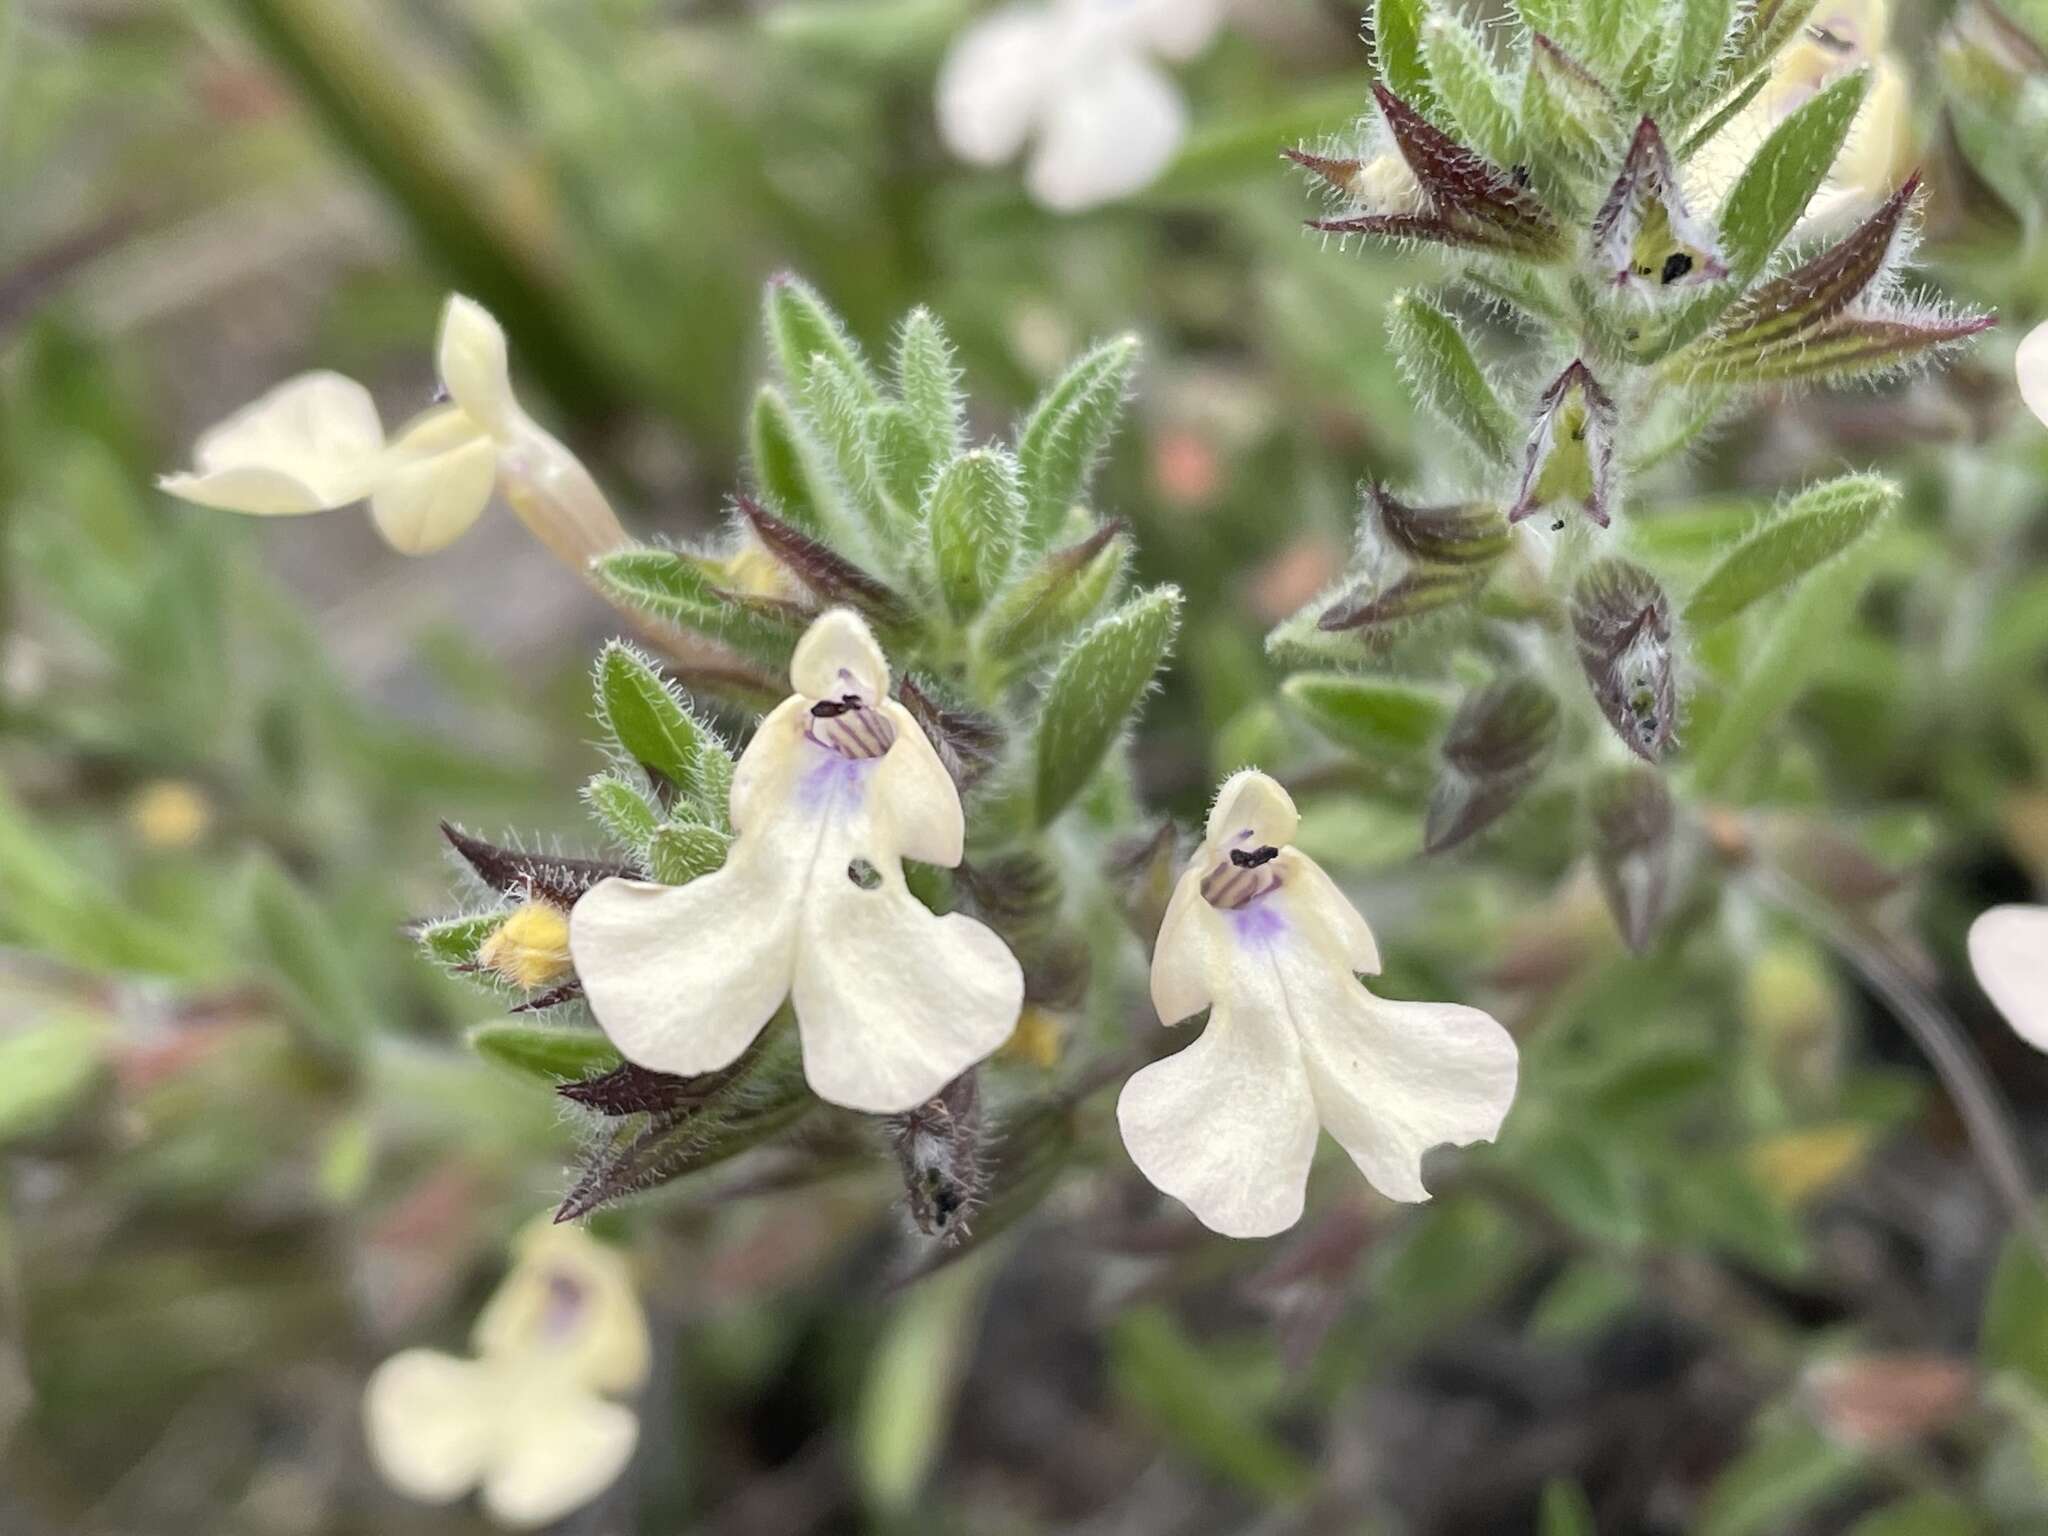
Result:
[
  {"x": 827, "y": 709},
  {"x": 1558, "y": 526},
  {"x": 1676, "y": 265},
  {"x": 1255, "y": 858}
]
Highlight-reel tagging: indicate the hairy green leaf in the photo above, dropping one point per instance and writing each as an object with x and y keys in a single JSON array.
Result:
[
  {"x": 1095, "y": 691},
  {"x": 1437, "y": 360},
  {"x": 974, "y": 519},
  {"x": 1372, "y": 716},
  {"x": 1813, "y": 528},
  {"x": 1771, "y": 195},
  {"x": 1069, "y": 428},
  {"x": 553, "y": 1055}
]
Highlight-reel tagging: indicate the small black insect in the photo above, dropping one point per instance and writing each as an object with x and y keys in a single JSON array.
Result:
[{"x": 1676, "y": 265}]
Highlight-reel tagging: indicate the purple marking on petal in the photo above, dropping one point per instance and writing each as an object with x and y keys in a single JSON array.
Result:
[
  {"x": 831, "y": 779},
  {"x": 1258, "y": 925}
]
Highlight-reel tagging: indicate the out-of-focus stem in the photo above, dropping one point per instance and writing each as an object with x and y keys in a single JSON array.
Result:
[
  {"x": 1940, "y": 1038},
  {"x": 367, "y": 100}
]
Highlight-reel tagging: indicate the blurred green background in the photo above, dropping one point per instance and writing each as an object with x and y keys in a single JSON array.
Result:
[{"x": 1733, "y": 1268}]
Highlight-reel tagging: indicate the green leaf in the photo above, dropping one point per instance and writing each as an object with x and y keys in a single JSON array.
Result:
[
  {"x": 2013, "y": 1335},
  {"x": 1693, "y": 34},
  {"x": 682, "y": 588},
  {"x": 1813, "y": 528},
  {"x": 1922, "y": 1514},
  {"x": 1095, "y": 692},
  {"x": 1054, "y": 598},
  {"x": 838, "y": 409},
  {"x": 783, "y": 462},
  {"x": 1069, "y": 428},
  {"x": 1801, "y": 636},
  {"x": 1397, "y": 50},
  {"x": 1191, "y": 1400},
  {"x": 1474, "y": 93},
  {"x": 649, "y": 722},
  {"x": 320, "y": 978},
  {"x": 1568, "y": 113},
  {"x": 682, "y": 851},
  {"x": 906, "y": 1401},
  {"x": 929, "y": 381},
  {"x": 1768, "y": 27},
  {"x": 899, "y": 456},
  {"x": 1784, "y": 1473},
  {"x": 535, "y": 1050},
  {"x": 45, "y": 1070},
  {"x": 1771, "y": 195},
  {"x": 1566, "y": 1511},
  {"x": 975, "y": 517},
  {"x": 803, "y": 330},
  {"x": 1438, "y": 362},
  {"x": 1372, "y": 716},
  {"x": 454, "y": 941},
  {"x": 623, "y": 809}
]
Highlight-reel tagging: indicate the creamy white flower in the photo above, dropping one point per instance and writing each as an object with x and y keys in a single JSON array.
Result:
[
  {"x": 1075, "y": 75},
  {"x": 315, "y": 443},
  {"x": 2009, "y": 953},
  {"x": 1260, "y": 936},
  {"x": 837, "y": 788},
  {"x": 524, "y": 1421},
  {"x": 1841, "y": 37},
  {"x": 2031, "y": 363}
]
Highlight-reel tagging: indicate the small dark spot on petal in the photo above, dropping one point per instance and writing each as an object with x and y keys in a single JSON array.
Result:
[
  {"x": 1676, "y": 265},
  {"x": 864, "y": 875}
]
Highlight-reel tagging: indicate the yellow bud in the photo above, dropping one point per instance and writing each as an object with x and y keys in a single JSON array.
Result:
[
  {"x": 169, "y": 815},
  {"x": 530, "y": 948},
  {"x": 1038, "y": 1038}
]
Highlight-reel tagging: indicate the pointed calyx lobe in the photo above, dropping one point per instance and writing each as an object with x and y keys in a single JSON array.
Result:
[
  {"x": 540, "y": 877},
  {"x": 1645, "y": 241},
  {"x": 1570, "y": 457},
  {"x": 1833, "y": 317},
  {"x": 1438, "y": 556},
  {"x": 1439, "y": 191}
]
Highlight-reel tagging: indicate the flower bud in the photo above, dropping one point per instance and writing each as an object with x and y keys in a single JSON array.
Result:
[
  {"x": 1498, "y": 743},
  {"x": 530, "y": 948},
  {"x": 1646, "y": 244},
  {"x": 1571, "y": 450},
  {"x": 1633, "y": 834},
  {"x": 938, "y": 1147},
  {"x": 1461, "y": 534},
  {"x": 1623, "y": 623}
]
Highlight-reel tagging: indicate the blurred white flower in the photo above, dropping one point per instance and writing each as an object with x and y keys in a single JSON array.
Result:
[
  {"x": 525, "y": 1421},
  {"x": 315, "y": 443},
  {"x": 2031, "y": 363},
  {"x": 1840, "y": 37},
  {"x": 837, "y": 788},
  {"x": 2009, "y": 953},
  {"x": 1076, "y": 76},
  {"x": 1259, "y": 935}
]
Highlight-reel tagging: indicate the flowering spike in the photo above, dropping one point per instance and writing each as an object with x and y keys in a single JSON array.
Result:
[
  {"x": 1645, "y": 241},
  {"x": 1457, "y": 198},
  {"x": 1623, "y": 622},
  {"x": 1571, "y": 451}
]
